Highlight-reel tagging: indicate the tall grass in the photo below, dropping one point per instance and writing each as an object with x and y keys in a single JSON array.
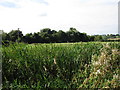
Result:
[{"x": 73, "y": 65}]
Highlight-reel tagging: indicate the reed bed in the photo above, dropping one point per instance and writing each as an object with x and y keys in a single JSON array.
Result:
[{"x": 66, "y": 65}]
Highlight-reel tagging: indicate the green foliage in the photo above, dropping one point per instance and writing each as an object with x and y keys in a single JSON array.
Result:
[
  {"x": 65, "y": 65},
  {"x": 15, "y": 35},
  {"x": 98, "y": 38},
  {"x": 47, "y": 35}
]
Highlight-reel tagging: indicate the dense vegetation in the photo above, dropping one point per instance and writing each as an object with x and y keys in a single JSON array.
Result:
[
  {"x": 47, "y": 35},
  {"x": 65, "y": 65}
]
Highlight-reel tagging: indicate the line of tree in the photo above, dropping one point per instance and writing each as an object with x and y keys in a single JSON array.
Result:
[{"x": 47, "y": 35}]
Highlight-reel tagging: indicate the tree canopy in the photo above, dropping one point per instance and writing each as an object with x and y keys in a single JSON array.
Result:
[{"x": 47, "y": 35}]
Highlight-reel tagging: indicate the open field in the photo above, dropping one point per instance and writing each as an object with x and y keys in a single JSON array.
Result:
[{"x": 65, "y": 65}]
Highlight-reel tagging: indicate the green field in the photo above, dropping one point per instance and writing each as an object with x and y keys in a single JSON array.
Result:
[{"x": 65, "y": 65}]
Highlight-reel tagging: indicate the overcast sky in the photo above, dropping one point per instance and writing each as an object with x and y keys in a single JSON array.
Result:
[{"x": 89, "y": 16}]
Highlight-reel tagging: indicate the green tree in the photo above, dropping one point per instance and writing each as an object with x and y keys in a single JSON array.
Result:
[
  {"x": 98, "y": 38},
  {"x": 72, "y": 35},
  {"x": 91, "y": 38},
  {"x": 28, "y": 38},
  {"x": 36, "y": 38},
  {"x": 76, "y": 36},
  {"x": 15, "y": 35},
  {"x": 4, "y": 36},
  {"x": 46, "y": 35},
  {"x": 61, "y": 36}
]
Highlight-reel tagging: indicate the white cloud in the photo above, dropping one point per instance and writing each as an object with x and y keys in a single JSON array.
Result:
[{"x": 90, "y": 16}]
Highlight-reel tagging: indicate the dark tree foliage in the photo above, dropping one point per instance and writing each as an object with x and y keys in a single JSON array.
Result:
[
  {"x": 61, "y": 36},
  {"x": 28, "y": 38},
  {"x": 91, "y": 38},
  {"x": 15, "y": 36},
  {"x": 47, "y": 35}
]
